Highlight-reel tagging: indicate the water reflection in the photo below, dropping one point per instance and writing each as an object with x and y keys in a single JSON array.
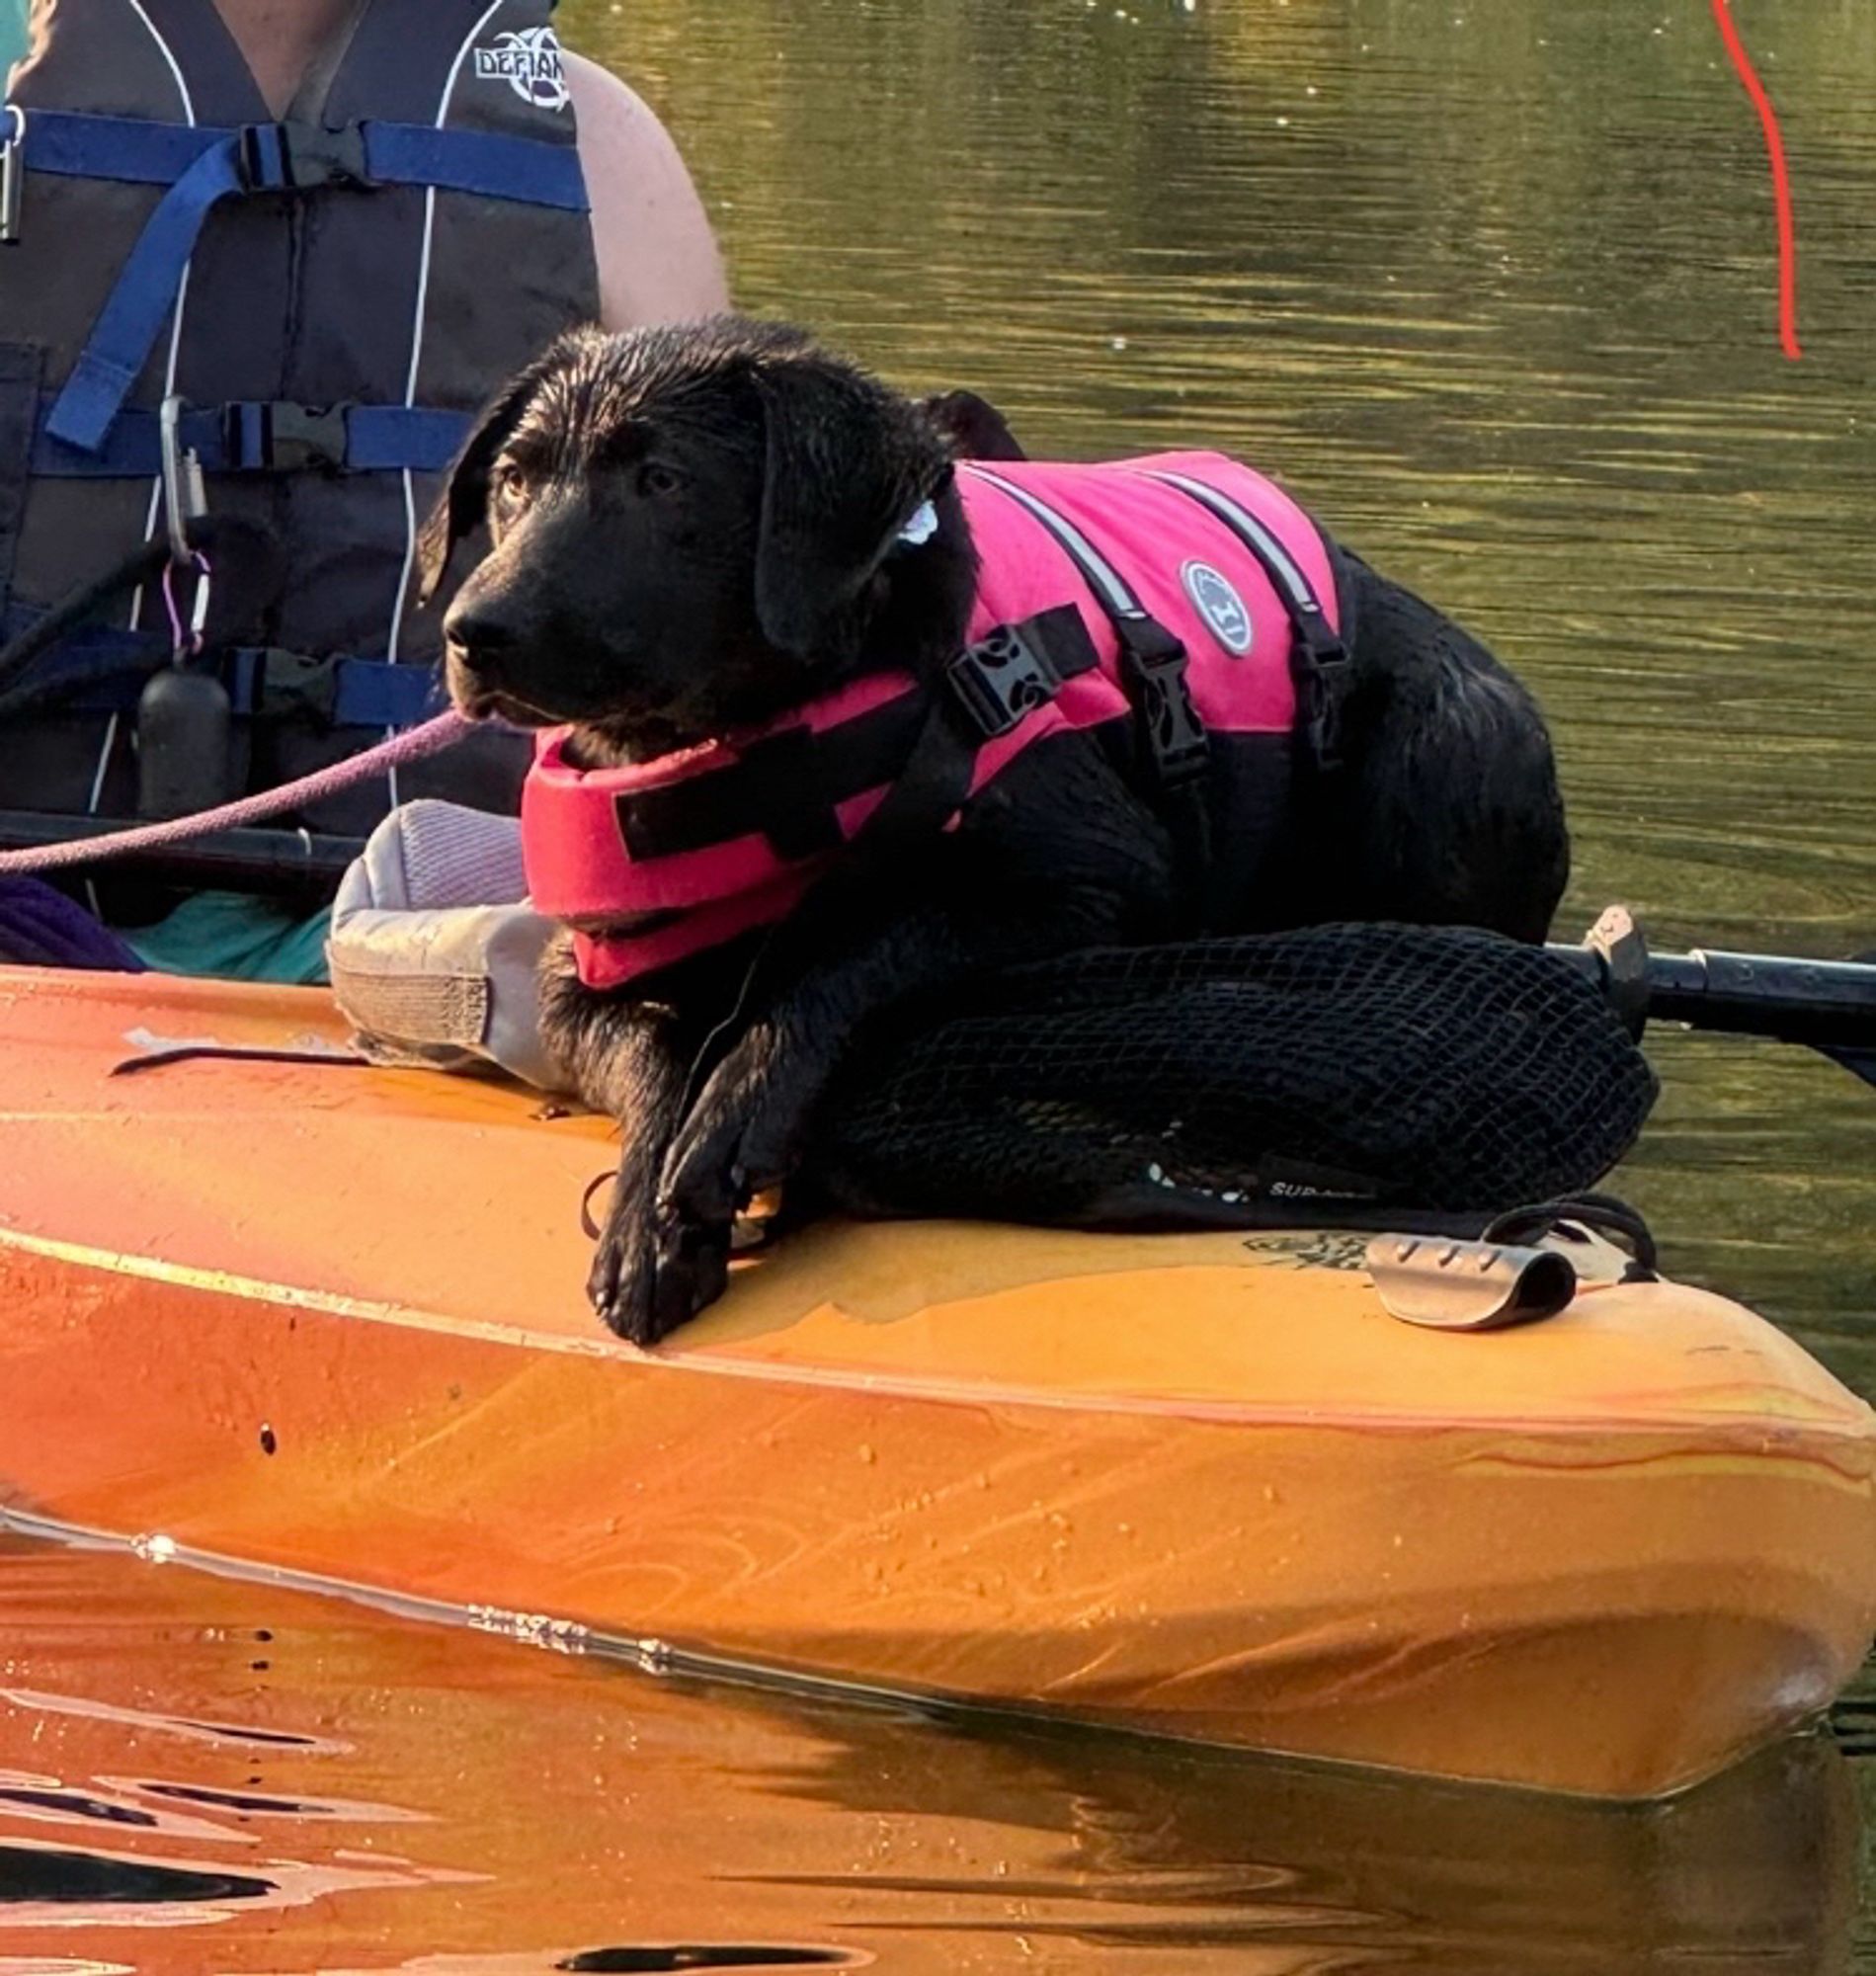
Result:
[{"x": 492, "y": 1810}]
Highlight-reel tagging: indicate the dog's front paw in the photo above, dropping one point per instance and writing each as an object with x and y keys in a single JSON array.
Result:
[
  {"x": 620, "y": 1283},
  {"x": 746, "y": 1131},
  {"x": 691, "y": 1272},
  {"x": 623, "y": 1282},
  {"x": 653, "y": 1272}
]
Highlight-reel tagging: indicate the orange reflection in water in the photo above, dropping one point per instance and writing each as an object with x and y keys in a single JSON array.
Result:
[{"x": 204, "y": 1776}]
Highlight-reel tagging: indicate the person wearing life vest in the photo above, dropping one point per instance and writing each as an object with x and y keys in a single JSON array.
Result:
[{"x": 259, "y": 268}]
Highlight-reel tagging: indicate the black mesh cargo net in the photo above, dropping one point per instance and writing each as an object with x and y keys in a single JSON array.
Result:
[{"x": 1331, "y": 1073}]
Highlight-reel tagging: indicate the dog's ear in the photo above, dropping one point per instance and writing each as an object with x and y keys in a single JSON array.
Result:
[
  {"x": 976, "y": 429},
  {"x": 464, "y": 504},
  {"x": 848, "y": 463}
]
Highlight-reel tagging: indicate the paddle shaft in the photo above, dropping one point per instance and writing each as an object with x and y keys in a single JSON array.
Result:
[
  {"x": 1814, "y": 1002},
  {"x": 1828, "y": 1005},
  {"x": 238, "y": 860}
]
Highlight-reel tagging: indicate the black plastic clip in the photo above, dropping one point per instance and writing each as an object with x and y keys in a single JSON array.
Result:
[
  {"x": 297, "y": 685},
  {"x": 297, "y": 157},
  {"x": 1175, "y": 746},
  {"x": 281, "y": 438},
  {"x": 1003, "y": 678},
  {"x": 1319, "y": 669}
]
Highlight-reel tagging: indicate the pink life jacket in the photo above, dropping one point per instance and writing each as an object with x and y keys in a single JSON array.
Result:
[{"x": 1180, "y": 591}]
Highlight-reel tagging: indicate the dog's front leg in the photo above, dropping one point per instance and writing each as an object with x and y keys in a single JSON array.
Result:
[
  {"x": 624, "y": 1061},
  {"x": 1059, "y": 855},
  {"x": 750, "y": 1124},
  {"x": 747, "y": 1128}
]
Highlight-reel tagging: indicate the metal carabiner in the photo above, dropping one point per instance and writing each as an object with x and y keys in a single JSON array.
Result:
[
  {"x": 11, "y": 175},
  {"x": 184, "y": 498}
]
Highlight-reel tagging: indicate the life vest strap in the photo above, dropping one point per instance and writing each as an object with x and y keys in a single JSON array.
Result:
[
  {"x": 1172, "y": 745},
  {"x": 1016, "y": 670},
  {"x": 1319, "y": 660},
  {"x": 784, "y": 787},
  {"x": 788, "y": 785},
  {"x": 101, "y": 669},
  {"x": 301, "y": 157},
  {"x": 259, "y": 435},
  {"x": 205, "y": 167}
]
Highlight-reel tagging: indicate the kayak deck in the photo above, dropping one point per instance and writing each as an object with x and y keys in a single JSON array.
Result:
[{"x": 330, "y": 1319}]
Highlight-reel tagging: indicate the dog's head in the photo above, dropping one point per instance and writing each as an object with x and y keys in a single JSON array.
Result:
[{"x": 692, "y": 529}]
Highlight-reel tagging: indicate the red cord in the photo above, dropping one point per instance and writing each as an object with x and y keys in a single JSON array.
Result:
[{"x": 1782, "y": 179}]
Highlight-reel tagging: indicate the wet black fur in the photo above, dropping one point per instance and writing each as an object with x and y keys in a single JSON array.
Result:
[{"x": 694, "y": 530}]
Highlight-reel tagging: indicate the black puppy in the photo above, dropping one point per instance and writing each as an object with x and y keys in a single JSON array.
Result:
[{"x": 698, "y": 530}]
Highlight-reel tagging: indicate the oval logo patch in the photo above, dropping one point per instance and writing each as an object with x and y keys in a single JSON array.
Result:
[{"x": 1219, "y": 603}]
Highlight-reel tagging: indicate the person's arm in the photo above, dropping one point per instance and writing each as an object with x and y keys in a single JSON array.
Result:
[{"x": 658, "y": 258}]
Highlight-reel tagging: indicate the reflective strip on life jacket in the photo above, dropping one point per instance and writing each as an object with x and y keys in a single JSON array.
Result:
[
  {"x": 259, "y": 158},
  {"x": 1319, "y": 660}
]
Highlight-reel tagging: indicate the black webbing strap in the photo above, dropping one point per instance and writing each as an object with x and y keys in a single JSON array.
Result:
[
  {"x": 786, "y": 787},
  {"x": 1172, "y": 749},
  {"x": 927, "y": 783},
  {"x": 1319, "y": 660}
]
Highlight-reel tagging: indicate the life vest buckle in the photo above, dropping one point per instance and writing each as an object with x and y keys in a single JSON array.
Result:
[
  {"x": 297, "y": 685},
  {"x": 277, "y": 437},
  {"x": 1320, "y": 670},
  {"x": 1003, "y": 678},
  {"x": 296, "y": 157},
  {"x": 1165, "y": 715}
]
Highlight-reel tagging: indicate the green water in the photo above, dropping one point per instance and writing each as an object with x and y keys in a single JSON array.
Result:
[
  {"x": 11, "y": 33},
  {"x": 1493, "y": 284}
]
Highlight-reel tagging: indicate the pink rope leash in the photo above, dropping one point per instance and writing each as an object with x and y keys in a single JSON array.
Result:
[{"x": 444, "y": 731}]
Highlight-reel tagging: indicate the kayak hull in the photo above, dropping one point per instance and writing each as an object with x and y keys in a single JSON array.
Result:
[{"x": 324, "y": 1319}]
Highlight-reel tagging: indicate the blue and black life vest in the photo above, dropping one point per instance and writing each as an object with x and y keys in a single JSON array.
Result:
[{"x": 330, "y": 295}]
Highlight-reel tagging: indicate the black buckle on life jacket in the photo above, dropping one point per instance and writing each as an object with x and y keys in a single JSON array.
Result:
[
  {"x": 1005, "y": 677},
  {"x": 297, "y": 686},
  {"x": 1177, "y": 749},
  {"x": 294, "y": 157},
  {"x": 262, "y": 436},
  {"x": 1318, "y": 667}
]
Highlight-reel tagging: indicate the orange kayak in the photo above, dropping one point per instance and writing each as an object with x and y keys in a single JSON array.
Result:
[{"x": 318, "y": 1319}]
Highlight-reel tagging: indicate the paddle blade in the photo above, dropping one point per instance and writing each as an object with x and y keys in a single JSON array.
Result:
[{"x": 1859, "y": 1062}]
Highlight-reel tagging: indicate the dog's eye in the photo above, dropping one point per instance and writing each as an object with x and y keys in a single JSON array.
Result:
[
  {"x": 656, "y": 479},
  {"x": 511, "y": 485}
]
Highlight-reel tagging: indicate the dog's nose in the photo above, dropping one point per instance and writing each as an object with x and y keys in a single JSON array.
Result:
[{"x": 481, "y": 632}]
